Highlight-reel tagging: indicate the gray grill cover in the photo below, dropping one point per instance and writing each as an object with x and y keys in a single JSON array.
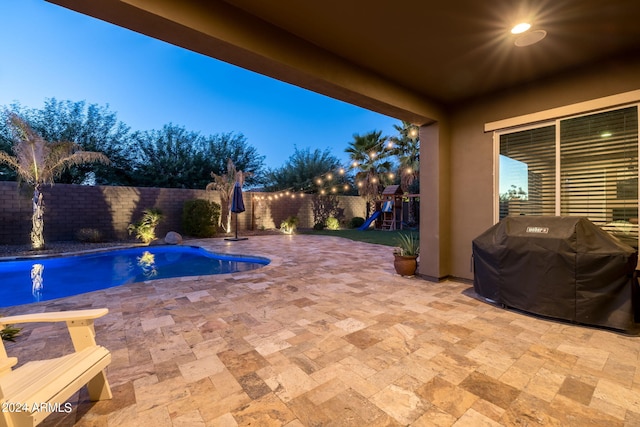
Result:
[{"x": 561, "y": 267}]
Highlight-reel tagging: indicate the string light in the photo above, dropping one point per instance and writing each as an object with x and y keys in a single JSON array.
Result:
[{"x": 326, "y": 183}]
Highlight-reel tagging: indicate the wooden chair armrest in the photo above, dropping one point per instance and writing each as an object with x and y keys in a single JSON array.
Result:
[
  {"x": 58, "y": 316},
  {"x": 79, "y": 323},
  {"x": 6, "y": 364}
]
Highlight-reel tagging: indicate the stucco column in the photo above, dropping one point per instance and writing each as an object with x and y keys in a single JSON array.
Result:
[{"x": 435, "y": 239}]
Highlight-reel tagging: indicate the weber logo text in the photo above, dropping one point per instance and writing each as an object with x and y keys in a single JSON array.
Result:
[{"x": 538, "y": 230}]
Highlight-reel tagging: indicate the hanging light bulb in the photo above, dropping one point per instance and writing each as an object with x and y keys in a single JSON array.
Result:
[
  {"x": 329, "y": 176},
  {"x": 319, "y": 181},
  {"x": 341, "y": 171}
]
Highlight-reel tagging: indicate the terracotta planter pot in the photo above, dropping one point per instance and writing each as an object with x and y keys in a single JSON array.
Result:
[{"x": 405, "y": 265}]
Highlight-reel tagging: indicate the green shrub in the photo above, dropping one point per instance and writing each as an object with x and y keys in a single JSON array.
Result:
[
  {"x": 89, "y": 235},
  {"x": 318, "y": 226},
  {"x": 356, "y": 222},
  {"x": 145, "y": 229},
  {"x": 289, "y": 225},
  {"x": 333, "y": 223},
  {"x": 200, "y": 218}
]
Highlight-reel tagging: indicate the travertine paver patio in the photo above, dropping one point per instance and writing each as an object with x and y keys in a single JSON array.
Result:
[{"x": 328, "y": 335}]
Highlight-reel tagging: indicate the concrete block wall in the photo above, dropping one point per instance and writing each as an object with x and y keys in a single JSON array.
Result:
[{"x": 69, "y": 208}]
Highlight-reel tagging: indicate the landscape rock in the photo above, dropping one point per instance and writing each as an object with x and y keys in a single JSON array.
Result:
[{"x": 173, "y": 238}]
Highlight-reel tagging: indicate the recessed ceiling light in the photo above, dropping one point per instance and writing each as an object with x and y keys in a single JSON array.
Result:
[
  {"x": 520, "y": 28},
  {"x": 530, "y": 38}
]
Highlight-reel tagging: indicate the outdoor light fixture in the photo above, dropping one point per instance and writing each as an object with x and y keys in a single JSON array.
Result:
[
  {"x": 526, "y": 37},
  {"x": 520, "y": 28},
  {"x": 530, "y": 38}
]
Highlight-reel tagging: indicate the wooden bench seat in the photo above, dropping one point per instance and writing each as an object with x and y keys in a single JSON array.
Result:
[{"x": 31, "y": 392}]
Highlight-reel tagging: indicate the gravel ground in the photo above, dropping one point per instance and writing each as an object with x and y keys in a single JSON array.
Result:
[
  {"x": 75, "y": 246},
  {"x": 56, "y": 248}
]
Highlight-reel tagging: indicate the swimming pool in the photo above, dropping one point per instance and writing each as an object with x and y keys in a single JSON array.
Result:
[{"x": 28, "y": 280}]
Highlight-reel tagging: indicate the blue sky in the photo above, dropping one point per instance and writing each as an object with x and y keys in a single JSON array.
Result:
[{"x": 51, "y": 52}]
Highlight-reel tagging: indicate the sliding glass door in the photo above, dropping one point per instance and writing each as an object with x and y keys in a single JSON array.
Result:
[{"x": 578, "y": 166}]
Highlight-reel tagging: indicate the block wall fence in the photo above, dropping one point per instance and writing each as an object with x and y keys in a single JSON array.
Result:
[{"x": 69, "y": 208}]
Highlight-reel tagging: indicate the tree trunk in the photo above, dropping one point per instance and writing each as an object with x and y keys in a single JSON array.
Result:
[
  {"x": 227, "y": 229},
  {"x": 37, "y": 220}
]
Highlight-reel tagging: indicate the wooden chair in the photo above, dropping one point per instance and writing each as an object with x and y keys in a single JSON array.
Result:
[{"x": 29, "y": 393}]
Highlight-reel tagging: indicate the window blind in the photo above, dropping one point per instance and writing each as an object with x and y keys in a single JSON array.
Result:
[
  {"x": 599, "y": 170},
  {"x": 527, "y": 172}
]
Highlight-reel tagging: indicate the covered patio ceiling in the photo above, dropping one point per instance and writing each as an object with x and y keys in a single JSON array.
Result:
[{"x": 409, "y": 59}]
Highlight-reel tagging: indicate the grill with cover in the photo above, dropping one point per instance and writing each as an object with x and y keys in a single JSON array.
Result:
[{"x": 561, "y": 267}]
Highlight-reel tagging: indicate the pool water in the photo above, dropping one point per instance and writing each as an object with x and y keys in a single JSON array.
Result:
[{"x": 28, "y": 280}]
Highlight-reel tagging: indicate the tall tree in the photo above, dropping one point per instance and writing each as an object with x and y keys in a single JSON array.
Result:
[
  {"x": 407, "y": 150},
  {"x": 370, "y": 158},
  {"x": 176, "y": 158},
  {"x": 94, "y": 128},
  {"x": 38, "y": 163},
  {"x": 302, "y": 169},
  {"x": 169, "y": 158},
  {"x": 219, "y": 148}
]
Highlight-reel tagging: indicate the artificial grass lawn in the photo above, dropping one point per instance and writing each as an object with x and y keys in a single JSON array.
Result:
[{"x": 380, "y": 237}]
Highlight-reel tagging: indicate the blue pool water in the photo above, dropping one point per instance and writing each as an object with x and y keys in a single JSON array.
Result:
[{"x": 28, "y": 280}]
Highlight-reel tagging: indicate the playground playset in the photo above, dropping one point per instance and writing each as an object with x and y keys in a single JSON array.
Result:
[{"x": 389, "y": 210}]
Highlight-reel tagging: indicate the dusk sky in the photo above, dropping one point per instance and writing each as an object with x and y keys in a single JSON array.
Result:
[{"x": 51, "y": 52}]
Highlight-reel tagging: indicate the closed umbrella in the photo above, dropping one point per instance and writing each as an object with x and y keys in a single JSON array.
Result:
[{"x": 237, "y": 206}]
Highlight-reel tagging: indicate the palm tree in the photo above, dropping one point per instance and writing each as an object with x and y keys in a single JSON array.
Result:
[
  {"x": 224, "y": 184},
  {"x": 38, "y": 162},
  {"x": 407, "y": 150},
  {"x": 369, "y": 156}
]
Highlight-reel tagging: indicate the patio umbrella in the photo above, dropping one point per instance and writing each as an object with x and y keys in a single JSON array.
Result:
[{"x": 237, "y": 206}]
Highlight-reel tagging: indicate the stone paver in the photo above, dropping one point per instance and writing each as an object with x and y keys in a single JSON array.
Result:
[{"x": 328, "y": 335}]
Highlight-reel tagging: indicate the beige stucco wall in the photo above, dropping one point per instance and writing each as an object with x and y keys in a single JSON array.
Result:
[{"x": 471, "y": 172}]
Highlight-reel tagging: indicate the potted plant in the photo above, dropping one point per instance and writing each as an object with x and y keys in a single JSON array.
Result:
[{"x": 406, "y": 254}]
